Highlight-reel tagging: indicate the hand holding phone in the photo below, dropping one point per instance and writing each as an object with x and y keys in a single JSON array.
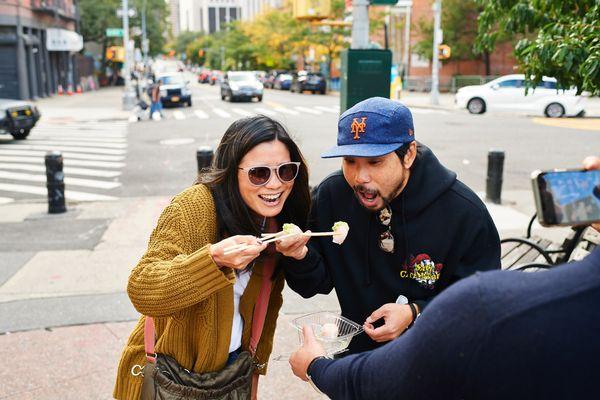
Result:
[{"x": 567, "y": 197}]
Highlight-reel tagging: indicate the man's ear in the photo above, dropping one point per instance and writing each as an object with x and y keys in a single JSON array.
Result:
[{"x": 411, "y": 155}]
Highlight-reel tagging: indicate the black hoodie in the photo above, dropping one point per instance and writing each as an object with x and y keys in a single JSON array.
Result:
[{"x": 442, "y": 233}]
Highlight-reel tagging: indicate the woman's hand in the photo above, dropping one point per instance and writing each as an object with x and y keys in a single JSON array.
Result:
[
  {"x": 237, "y": 259},
  {"x": 294, "y": 246}
]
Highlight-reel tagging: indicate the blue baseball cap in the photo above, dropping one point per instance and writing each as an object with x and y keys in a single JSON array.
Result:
[{"x": 373, "y": 128}]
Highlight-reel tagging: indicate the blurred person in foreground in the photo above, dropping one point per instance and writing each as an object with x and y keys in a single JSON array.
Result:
[
  {"x": 201, "y": 298},
  {"x": 495, "y": 335},
  {"x": 414, "y": 227}
]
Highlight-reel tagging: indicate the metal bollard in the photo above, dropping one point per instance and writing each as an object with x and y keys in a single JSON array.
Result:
[
  {"x": 55, "y": 182},
  {"x": 204, "y": 156},
  {"x": 493, "y": 186}
]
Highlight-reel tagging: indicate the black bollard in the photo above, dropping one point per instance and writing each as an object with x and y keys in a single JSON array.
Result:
[
  {"x": 493, "y": 187},
  {"x": 204, "y": 156},
  {"x": 55, "y": 182}
]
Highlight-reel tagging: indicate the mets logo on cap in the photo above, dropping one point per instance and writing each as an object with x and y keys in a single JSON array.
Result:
[{"x": 358, "y": 126}]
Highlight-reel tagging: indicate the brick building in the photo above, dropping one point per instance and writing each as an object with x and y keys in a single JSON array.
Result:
[
  {"x": 501, "y": 61},
  {"x": 38, "y": 41}
]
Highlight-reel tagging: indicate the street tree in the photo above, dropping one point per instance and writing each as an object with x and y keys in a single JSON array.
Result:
[{"x": 558, "y": 38}]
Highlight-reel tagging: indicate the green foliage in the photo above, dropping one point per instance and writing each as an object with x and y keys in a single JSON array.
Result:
[
  {"x": 96, "y": 16},
  {"x": 459, "y": 26},
  {"x": 559, "y": 38}
]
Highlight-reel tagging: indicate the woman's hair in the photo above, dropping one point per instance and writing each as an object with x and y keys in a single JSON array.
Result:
[{"x": 235, "y": 218}]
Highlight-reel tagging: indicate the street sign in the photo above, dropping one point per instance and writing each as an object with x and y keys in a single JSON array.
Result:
[
  {"x": 383, "y": 2},
  {"x": 132, "y": 13},
  {"x": 114, "y": 32}
]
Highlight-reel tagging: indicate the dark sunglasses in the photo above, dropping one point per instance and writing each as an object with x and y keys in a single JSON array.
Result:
[
  {"x": 260, "y": 175},
  {"x": 386, "y": 239}
]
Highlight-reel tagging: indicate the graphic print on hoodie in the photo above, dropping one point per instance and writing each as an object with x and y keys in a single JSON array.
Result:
[{"x": 442, "y": 233}]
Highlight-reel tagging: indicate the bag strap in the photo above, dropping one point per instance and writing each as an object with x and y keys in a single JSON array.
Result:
[{"x": 260, "y": 309}]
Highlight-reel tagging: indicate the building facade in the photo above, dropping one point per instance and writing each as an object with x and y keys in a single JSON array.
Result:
[
  {"x": 38, "y": 41},
  {"x": 174, "y": 16}
]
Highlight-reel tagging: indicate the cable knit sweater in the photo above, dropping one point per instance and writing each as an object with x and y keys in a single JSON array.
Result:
[{"x": 189, "y": 296}]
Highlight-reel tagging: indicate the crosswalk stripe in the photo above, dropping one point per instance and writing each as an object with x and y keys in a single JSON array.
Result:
[
  {"x": 67, "y": 170},
  {"x": 242, "y": 112},
  {"x": 6, "y": 200},
  {"x": 265, "y": 111},
  {"x": 75, "y": 149},
  {"x": 178, "y": 115},
  {"x": 201, "y": 114},
  {"x": 334, "y": 110},
  {"x": 77, "y": 143},
  {"x": 221, "y": 113},
  {"x": 286, "y": 111},
  {"x": 78, "y": 139},
  {"x": 308, "y": 110},
  {"x": 80, "y": 163},
  {"x": 66, "y": 155},
  {"x": 69, "y": 181},
  {"x": 40, "y": 190}
]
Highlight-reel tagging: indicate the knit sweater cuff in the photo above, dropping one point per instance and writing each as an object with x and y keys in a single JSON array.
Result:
[{"x": 207, "y": 276}]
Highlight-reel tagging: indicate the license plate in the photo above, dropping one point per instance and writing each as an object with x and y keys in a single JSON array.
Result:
[{"x": 174, "y": 98}]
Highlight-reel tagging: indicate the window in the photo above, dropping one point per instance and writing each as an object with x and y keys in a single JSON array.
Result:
[
  {"x": 511, "y": 83},
  {"x": 212, "y": 20}
]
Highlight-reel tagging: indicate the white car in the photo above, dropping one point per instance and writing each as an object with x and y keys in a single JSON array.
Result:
[{"x": 507, "y": 93}]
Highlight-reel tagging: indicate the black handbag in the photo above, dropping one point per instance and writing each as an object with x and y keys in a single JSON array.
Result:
[{"x": 165, "y": 379}]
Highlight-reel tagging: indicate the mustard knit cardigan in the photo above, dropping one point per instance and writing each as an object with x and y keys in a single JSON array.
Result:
[{"x": 189, "y": 296}]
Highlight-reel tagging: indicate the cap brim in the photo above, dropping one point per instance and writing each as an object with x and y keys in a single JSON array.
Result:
[{"x": 361, "y": 150}]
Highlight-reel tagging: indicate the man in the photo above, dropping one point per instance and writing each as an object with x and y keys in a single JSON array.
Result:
[{"x": 414, "y": 228}]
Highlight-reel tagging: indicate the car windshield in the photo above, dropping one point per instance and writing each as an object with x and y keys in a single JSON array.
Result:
[
  {"x": 171, "y": 80},
  {"x": 242, "y": 77}
]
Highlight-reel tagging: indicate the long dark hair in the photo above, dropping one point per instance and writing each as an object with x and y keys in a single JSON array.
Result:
[{"x": 235, "y": 218}]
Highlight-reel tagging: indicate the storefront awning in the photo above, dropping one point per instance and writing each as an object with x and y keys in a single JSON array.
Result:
[{"x": 63, "y": 40}]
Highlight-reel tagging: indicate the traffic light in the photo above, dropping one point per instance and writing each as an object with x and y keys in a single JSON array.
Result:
[
  {"x": 312, "y": 9},
  {"x": 110, "y": 53},
  {"x": 201, "y": 53},
  {"x": 444, "y": 52}
]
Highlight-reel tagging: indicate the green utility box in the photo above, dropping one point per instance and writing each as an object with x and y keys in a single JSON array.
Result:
[{"x": 365, "y": 73}]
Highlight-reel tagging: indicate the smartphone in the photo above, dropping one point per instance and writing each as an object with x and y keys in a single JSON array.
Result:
[{"x": 567, "y": 197}]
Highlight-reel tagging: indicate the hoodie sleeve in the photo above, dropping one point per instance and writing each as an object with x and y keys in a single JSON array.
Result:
[
  {"x": 310, "y": 276},
  {"x": 481, "y": 252}
]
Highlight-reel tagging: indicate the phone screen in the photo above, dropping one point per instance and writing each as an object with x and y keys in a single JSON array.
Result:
[{"x": 570, "y": 197}]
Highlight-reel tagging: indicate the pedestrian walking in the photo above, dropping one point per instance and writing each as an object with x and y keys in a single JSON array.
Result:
[
  {"x": 156, "y": 104},
  {"x": 207, "y": 282}
]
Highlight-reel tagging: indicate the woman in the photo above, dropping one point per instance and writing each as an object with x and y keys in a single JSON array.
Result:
[{"x": 202, "y": 299}]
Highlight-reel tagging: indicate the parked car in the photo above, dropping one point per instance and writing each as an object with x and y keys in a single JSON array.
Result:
[
  {"x": 204, "y": 76},
  {"x": 269, "y": 81},
  {"x": 283, "y": 82},
  {"x": 17, "y": 118},
  {"x": 508, "y": 93},
  {"x": 174, "y": 90},
  {"x": 238, "y": 85},
  {"x": 311, "y": 81}
]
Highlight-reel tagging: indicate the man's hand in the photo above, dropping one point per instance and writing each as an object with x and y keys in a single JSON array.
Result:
[
  {"x": 397, "y": 318},
  {"x": 294, "y": 246},
  {"x": 310, "y": 350},
  {"x": 590, "y": 163}
]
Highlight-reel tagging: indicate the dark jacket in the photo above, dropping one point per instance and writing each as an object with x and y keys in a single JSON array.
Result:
[
  {"x": 442, "y": 233},
  {"x": 497, "y": 335}
]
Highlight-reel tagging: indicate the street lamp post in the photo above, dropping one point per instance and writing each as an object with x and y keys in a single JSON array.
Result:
[
  {"x": 435, "y": 64},
  {"x": 128, "y": 95},
  {"x": 360, "y": 24}
]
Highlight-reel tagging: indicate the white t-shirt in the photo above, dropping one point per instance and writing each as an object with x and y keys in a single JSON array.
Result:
[{"x": 241, "y": 282}]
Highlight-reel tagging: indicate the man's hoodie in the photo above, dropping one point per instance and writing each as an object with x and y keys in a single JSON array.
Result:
[{"x": 442, "y": 233}]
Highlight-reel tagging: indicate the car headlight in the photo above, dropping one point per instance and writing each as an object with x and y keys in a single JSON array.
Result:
[
  {"x": 163, "y": 93},
  {"x": 234, "y": 87}
]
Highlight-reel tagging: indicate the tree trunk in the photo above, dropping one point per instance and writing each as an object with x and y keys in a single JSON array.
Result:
[{"x": 486, "y": 60}]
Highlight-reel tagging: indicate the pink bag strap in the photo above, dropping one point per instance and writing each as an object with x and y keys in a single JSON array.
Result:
[{"x": 149, "y": 333}]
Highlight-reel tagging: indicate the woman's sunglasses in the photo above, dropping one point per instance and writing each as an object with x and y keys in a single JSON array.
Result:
[{"x": 260, "y": 175}]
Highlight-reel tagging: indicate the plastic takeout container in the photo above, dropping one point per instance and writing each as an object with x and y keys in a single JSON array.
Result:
[{"x": 346, "y": 330}]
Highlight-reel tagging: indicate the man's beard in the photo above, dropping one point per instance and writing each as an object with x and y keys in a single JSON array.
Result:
[{"x": 386, "y": 200}]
